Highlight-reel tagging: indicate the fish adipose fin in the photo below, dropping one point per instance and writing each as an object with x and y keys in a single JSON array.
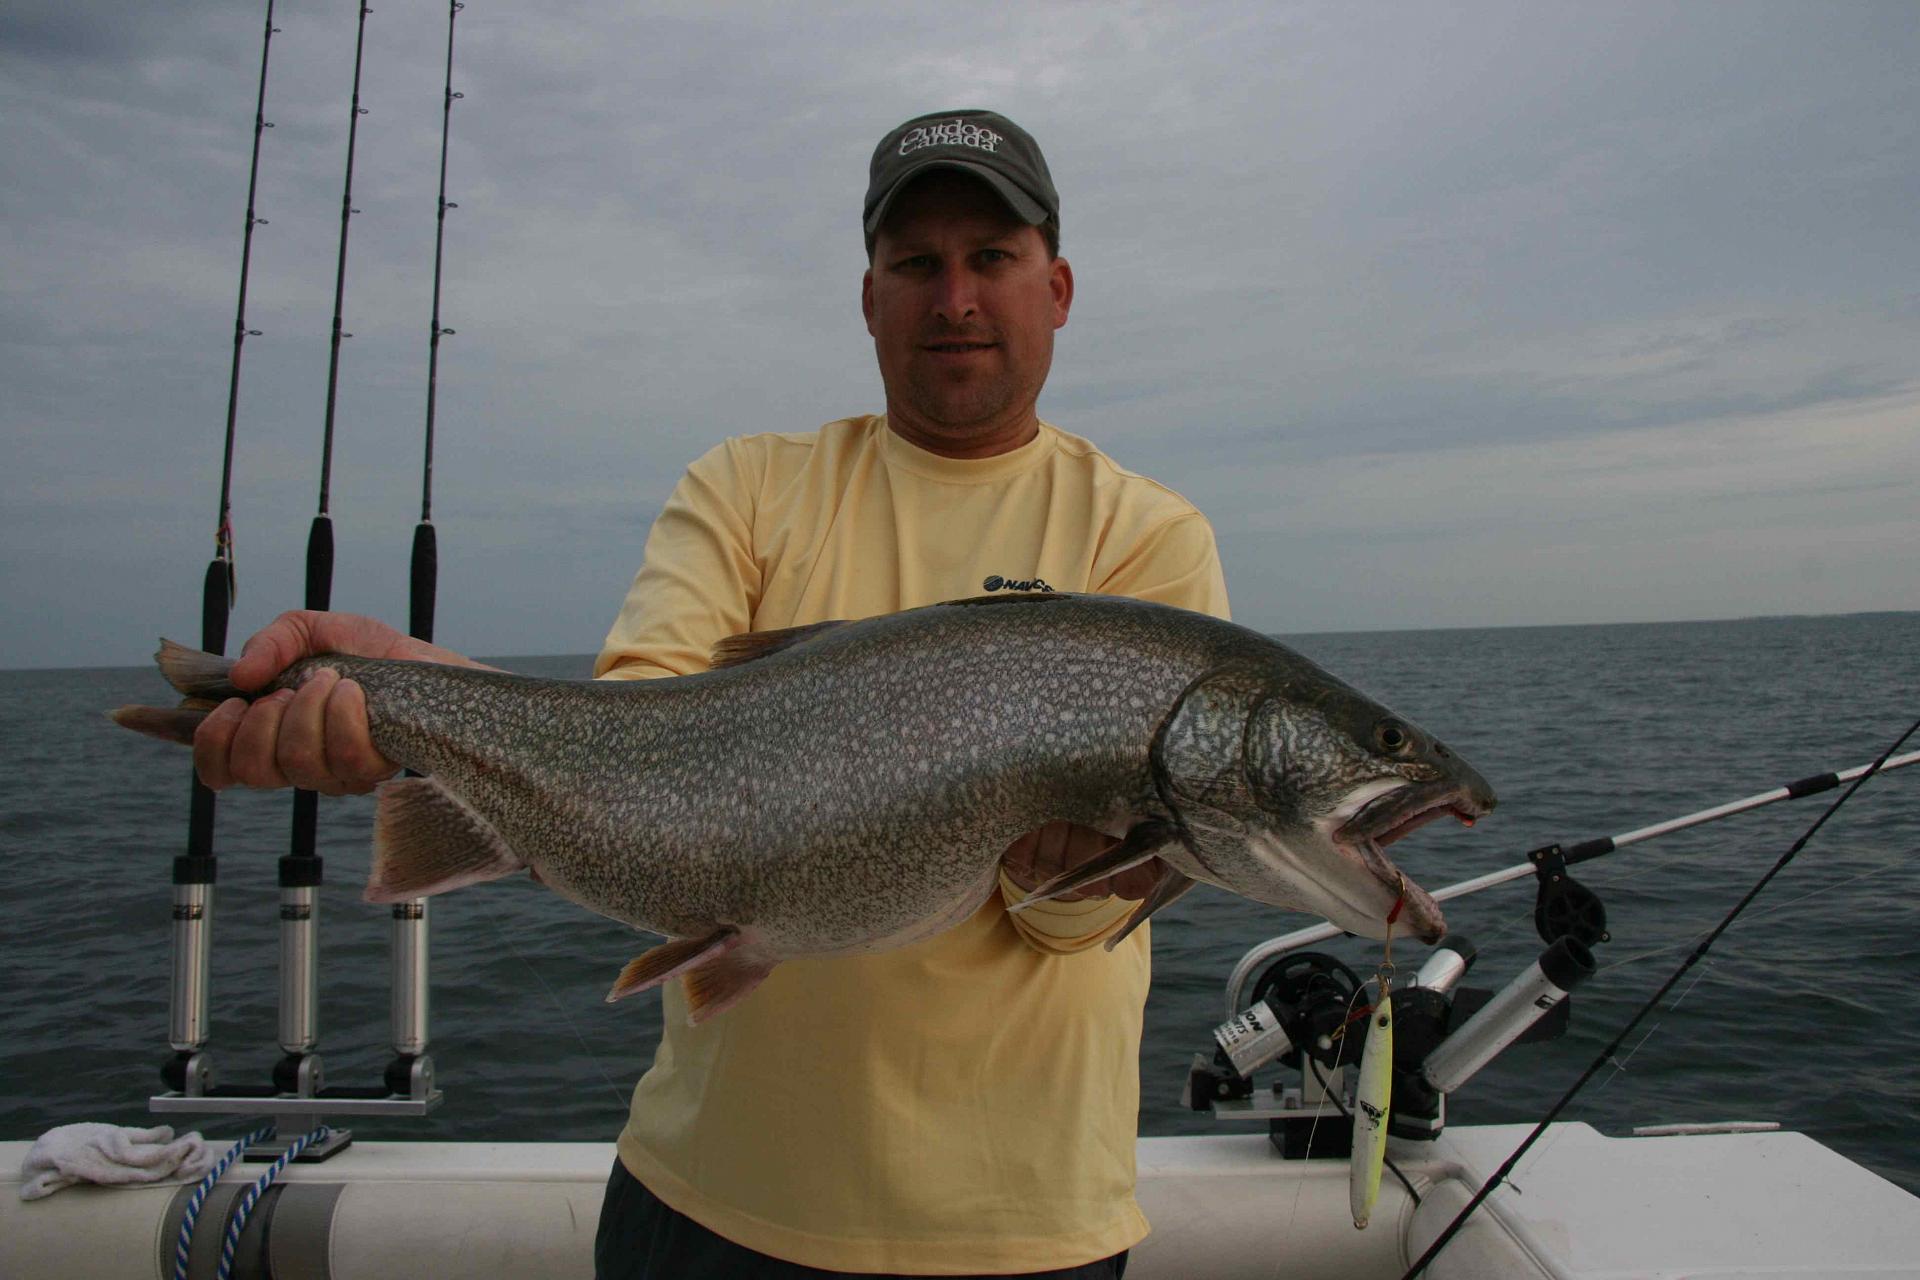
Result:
[
  {"x": 715, "y": 976},
  {"x": 752, "y": 646},
  {"x": 426, "y": 840},
  {"x": 1142, "y": 842},
  {"x": 1170, "y": 887}
]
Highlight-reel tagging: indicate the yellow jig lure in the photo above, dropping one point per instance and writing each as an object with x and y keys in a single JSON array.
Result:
[{"x": 1373, "y": 1095}]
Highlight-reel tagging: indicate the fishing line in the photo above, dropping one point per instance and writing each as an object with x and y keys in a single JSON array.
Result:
[
  {"x": 1307, "y": 1059},
  {"x": 505, "y": 930},
  {"x": 1775, "y": 909},
  {"x": 1699, "y": 952}
]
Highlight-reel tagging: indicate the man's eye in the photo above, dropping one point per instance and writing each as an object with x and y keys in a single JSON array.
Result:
[{"x": 995, "y": 255}]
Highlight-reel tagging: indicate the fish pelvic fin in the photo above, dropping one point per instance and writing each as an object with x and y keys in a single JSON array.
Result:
[
  {"x": 426, "y": 840},
  {"x": 1170, "y": 886},
  {"x": 172, "y": 724},
  {"x": 714, "y": 972},
  {"x": 1143, "y": 841},
  {"x": 196, "y": 673},
  {"x": 735, "y": 651},
  {"x": 718, "y": 985},
  {"x": 651, "y": 968}
]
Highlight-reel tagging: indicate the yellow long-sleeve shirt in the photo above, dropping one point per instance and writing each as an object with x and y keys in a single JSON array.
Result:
[{"x": 968, "y": 1103}]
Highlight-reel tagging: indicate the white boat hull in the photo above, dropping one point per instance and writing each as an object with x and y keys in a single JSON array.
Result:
[{"x": 1774, "y": 1204}]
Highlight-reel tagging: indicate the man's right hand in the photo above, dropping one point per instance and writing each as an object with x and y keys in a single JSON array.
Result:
[{"x": 315, "y": 736}]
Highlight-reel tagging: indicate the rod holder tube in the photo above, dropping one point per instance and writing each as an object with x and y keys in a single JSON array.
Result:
[
  {"x": 299, "y": 958},
  {"x": 411, "y": 995},
  {"x": 187, "y": 1017},
  {"x": 1517, "y": 1006},
  {"x": 1452, "y": 956}
]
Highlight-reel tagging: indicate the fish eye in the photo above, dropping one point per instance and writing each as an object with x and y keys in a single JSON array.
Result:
[{"x": 1392, "y": 736}]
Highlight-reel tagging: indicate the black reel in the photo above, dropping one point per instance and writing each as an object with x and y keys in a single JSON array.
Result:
[
  {"x": 1313, "y": 994},
  {"x": 1565, "y": 908}
]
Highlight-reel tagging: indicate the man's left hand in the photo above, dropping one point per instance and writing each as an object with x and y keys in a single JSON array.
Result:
[{"x": 1039, "y": 856}]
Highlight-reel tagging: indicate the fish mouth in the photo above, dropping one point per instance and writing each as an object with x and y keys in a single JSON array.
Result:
[{"x": 1392, "y": 815}]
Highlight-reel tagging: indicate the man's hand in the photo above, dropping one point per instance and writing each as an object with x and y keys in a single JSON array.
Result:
[
  {"x": 1039, "y": 856},
  {"x": 315, "y": 736}
]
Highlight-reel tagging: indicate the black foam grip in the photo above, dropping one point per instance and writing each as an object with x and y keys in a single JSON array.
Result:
[
  {"x": 423, "y": 582},
  {"x": 320, "y": 563}
]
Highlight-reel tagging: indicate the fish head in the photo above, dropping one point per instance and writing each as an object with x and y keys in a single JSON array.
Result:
[{"x": 1288, "y": 784}]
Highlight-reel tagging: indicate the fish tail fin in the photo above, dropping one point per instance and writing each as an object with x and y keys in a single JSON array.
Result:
[
  {"x": 195, "y": 673},
  {"x": 171, "y": 724}
]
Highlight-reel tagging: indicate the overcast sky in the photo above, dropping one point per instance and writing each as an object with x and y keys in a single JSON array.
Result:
[{"x": 1447, "y": 315}]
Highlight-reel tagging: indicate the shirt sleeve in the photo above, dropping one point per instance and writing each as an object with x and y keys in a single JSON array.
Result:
[
  {"x": 1176, "y": 564},
  {"x": 699, "y": 581}
]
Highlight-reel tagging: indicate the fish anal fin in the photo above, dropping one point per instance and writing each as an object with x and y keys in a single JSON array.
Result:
[
  {"x": 721, "y": 983},
  {"x": 752, "y": 646},
  {"x": 1143, "y": 841},
  {"x": 1171, "y": 885},
  {"x": 676, "y": 955},
  {"x": 427, "y": 840}
]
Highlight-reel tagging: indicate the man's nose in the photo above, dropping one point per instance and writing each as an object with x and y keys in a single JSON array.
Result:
[{"x": 955, "y": 294}]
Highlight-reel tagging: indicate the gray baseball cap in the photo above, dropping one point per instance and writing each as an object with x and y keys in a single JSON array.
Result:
[{"x": 983, "y": 144}]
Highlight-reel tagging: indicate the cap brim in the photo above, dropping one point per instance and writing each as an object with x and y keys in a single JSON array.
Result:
[{"x": 1024, "y": 206}]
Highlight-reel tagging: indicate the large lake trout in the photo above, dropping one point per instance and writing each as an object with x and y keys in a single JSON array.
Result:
[{"x": 849, "y": 787}]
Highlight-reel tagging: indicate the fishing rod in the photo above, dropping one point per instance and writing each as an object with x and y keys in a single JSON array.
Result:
[
  {"x": 194, "y": 872},
  {"x": 411, "y": 1070},
  {"x": 1564, "y": 905},
  {"x": 300, "y": 871},
  {"x": 1694, "y": 957}
]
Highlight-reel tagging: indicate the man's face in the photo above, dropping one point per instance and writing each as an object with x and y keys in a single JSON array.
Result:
[{"x": 962, "y": 301}]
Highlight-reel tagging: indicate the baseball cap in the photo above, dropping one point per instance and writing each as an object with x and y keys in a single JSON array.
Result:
[{"x": 983, "y": 144}]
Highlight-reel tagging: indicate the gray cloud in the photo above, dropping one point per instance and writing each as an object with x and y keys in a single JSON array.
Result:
[{"x": 1503, "y": 313}]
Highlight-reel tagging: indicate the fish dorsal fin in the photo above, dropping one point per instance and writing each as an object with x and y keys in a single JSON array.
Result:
[
  {"x": 752, "y": 646},
  {"x": 1010, "y": 597}
]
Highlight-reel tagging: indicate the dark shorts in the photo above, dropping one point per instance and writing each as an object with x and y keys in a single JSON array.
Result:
[{"x": 642, "y": 1239}]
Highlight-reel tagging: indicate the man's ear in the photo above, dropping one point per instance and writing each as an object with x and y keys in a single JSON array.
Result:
[
  {"x": 866, "y": 298},
  {"x": 1061, "y": 281}
]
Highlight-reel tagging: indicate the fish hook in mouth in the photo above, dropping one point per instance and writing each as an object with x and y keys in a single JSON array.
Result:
[{"x": 1392, "y": 816}]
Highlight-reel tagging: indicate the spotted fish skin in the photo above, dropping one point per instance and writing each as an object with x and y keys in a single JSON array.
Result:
[{"x": 854, "y": 788}]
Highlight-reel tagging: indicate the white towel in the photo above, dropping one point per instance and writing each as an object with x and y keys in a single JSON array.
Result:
[{"x": 113, "y": 1154}]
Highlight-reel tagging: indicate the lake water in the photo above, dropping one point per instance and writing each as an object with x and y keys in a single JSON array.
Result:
[{"x": 1800, "y": 1014}]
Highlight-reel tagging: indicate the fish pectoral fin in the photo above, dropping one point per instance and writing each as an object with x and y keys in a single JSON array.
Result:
[
  {"x": 1143, "y": 841},
  {"x": 752, "y": 646},
  {"x": 1170, "y": 886},
  {"x": 427, "y": 840},
  {"x": 651, "y": 968}
]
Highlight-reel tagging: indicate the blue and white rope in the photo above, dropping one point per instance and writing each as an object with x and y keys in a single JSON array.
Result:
[
  {"x": 185, "y": 1240},
  {"x": 252, "y": 1194}
]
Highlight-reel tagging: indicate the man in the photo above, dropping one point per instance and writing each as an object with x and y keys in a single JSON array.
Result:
[{"x": 966, "y": 1105}]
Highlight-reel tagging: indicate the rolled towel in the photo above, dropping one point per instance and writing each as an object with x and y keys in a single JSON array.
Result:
[{"x": 111, "y": 1154}]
